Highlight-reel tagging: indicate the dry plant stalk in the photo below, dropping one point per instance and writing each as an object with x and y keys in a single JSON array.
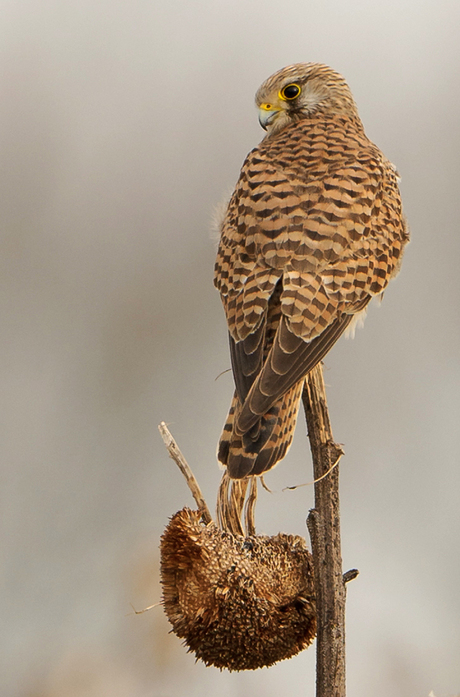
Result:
[
  {"x": 176, "y": 455},
  {"x": 232, "y": 502},
  {"x": 324, "y": 527}
]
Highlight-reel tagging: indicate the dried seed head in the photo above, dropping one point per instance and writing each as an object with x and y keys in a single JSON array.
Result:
[{"x": 239, "y": 602}]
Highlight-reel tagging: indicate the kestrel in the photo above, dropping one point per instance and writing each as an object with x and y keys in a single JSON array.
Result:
[{"x": 313, "y": 231}]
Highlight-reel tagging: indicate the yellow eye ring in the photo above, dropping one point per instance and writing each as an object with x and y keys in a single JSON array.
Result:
[{"x": 290, "y": 92}]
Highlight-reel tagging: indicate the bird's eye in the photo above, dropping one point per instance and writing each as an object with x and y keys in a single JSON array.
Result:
[{"x": 290, "y": 91}]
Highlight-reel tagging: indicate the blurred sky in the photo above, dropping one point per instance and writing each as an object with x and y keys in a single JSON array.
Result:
[{"x": 123, "y": 124}]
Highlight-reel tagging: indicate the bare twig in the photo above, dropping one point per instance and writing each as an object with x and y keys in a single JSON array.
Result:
[
  {"x": 324, "y": 527},
  {"x": 313, "y": 481},
  {"x": 350, "y": 575},
  {"x": 146, "y": 609},
  {"x": 176, "y": 455}
]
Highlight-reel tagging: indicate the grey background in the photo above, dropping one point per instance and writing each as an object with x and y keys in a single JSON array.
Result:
[{"x": 123, "y": 124}]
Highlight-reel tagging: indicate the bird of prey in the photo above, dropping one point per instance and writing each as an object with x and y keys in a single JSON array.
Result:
[{"x": 313, "y": 231}]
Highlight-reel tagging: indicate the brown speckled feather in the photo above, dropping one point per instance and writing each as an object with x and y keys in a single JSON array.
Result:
[{"x": 313, "y": 230}]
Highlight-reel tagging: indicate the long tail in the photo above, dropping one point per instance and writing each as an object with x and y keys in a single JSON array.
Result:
[{"x": 266, "y": 443}]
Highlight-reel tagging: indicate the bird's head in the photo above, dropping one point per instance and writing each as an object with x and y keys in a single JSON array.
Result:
[{"x": 299, "y": 91}]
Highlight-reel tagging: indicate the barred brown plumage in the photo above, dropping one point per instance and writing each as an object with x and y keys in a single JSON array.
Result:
[{"x": 313, "y": 231}]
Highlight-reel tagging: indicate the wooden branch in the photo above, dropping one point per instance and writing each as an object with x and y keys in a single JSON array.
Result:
[
  {"x": 179, "y": 459},
  {"x": 324, "y": 527}
]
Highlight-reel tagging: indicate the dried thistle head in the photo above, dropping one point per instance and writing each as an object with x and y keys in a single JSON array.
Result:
[{"x": 239, "y": 602}]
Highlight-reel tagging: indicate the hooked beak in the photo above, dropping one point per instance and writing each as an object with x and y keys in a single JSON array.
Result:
[{"x": 267, "y": 114}]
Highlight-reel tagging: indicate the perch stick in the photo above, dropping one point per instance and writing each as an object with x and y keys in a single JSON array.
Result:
[
  {"x": 324, "y": 527},
  {"x": 176, "y": 455}
]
